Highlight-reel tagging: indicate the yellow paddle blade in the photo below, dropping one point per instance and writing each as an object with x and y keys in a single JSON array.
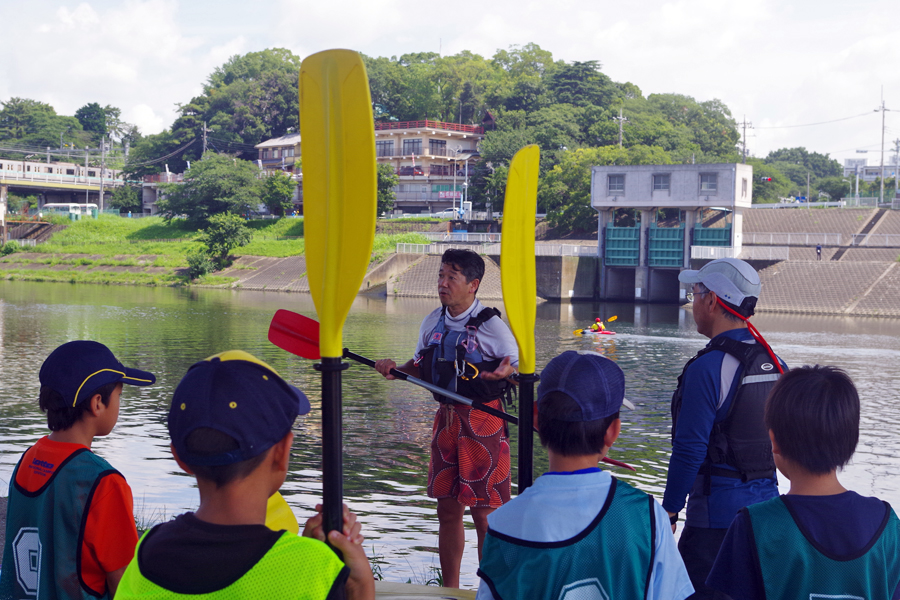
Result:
[
  {"x": 578, "y": 331},
  {"x": 339, "y": 185},
  {"x": 517, "y": 273},
  {"x": 280, "y": 516},
  {"x": 612, "y": 318}
]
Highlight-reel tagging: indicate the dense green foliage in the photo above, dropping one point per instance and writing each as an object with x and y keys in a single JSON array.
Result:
[
  {"x": 224, "y": 232},
  {"x": 278, "y": 193},
  {"x": 127, "y": 198},
  {"x": 213, "y": 185},
  {"x": 387, "y": 182}
]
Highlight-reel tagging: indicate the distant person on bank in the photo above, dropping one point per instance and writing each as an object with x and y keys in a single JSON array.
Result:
[
  {"x": 70, "y": 528},
  {"x": 721, "y": 455},
  {"x": 466, "y": 348}
]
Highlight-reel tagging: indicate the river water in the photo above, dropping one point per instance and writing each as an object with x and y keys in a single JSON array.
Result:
[{"x": 387, "y": 425}]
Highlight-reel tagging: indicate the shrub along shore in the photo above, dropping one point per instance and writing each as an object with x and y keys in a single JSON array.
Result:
[{"x": 152, "y": 251}]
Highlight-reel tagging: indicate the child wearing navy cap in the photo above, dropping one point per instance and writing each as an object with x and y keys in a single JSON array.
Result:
[
  {"x": 820, "y": 540},
  {"x": 70, "y": 528},
  {"x": 578, "y": 532},
  {"x": 231, "y": 425}
]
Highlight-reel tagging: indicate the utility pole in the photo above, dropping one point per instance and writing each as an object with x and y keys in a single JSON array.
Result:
[
  {"x": 896, "y": 168},
  {"x": 883, "y": 110},
  {"x": 205, "y": 130},
  {"x": 87, "y": 192},
  {"x": 621, "y": 121},
  {"x": 102, "y": 167},
  {"x": 745, "y": 125}
]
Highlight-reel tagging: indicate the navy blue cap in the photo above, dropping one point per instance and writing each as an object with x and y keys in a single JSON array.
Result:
[
  {"x": 76, "y": 369},
  {"x": 594, "y": 382},
  {"x": 239, "y": 395}
]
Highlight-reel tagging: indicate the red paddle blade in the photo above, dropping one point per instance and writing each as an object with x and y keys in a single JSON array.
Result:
[
  {"x": 295, "y": 333},
  {"x": 617, "y": 463}
]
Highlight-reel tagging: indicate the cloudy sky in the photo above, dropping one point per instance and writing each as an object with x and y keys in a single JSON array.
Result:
[{"x": 783, "y": 65}]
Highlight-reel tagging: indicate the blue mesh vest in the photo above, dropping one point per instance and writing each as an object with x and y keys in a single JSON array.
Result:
[
  {"x": 794, "y": 566},
  {"x": 452, "y": 360},
  {"x": 294, "y": 567},
  {"x": 611, "y": 558},
  {"x": 45, "y": 529}
]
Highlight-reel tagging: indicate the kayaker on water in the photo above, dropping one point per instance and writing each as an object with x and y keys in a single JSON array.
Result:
[
  {"x": 469, "y": 449},
  {"x": 721, "y": 454}
]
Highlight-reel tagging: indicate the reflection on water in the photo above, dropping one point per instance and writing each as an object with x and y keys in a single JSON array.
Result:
[{"x": 388, "y": 424}]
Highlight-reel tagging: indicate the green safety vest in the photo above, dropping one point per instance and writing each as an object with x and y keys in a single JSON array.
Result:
[
  {"x": 45, "y": 529},
  {"x": 611, "y": 558},
  {"x": 294, "y": 567},
  {"x": 793, "y": 566}
]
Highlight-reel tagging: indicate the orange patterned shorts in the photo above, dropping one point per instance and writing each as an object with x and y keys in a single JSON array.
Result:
[{"x": 469, "y": 456}]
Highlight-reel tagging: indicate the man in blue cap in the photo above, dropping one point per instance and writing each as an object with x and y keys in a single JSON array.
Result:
[
  {"x": 721, "y": 454},
  {"x": 70, "y": 528}
]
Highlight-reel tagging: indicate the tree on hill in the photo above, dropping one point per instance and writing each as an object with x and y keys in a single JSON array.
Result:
[
  {"x": 127, "y": 198},
  {"x": 582, "y": 84},
  {"x": 216, "y": 184},
  {"x": 224, "y": 232},
  {"x": 565, "y": 192},
  {"x": 766, "y": 190},
  {"x": 278, "y": 193},
  {"x": 92, "y": 118},
  {"x": 31, "y": 123},
  {"x": 387, "y": 182}
]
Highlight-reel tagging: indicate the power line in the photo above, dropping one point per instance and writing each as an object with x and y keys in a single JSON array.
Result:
[
  {"x": 162, "y": 158},
  {"x": 812, "y": 124}
]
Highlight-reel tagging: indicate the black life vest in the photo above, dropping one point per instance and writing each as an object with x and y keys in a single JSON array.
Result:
[
  {"x": 741, "y": 440},
  {"x": 452, "y": 360}
]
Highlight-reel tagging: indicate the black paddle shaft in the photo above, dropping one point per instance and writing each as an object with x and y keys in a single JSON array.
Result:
[
  {"x": 526, "y": 434},
  {"x": 455, "y": 397},
  {"x": 332, "y": 447}
]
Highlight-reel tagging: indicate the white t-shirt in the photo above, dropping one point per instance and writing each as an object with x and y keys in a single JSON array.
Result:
[
  {"x": 560, "y": 506},
  {"x": 495, "y": 340}
]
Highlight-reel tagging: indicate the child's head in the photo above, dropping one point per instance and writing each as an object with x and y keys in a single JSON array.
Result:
[
  {"x": 813, "y": 414},
  {"x": 578, "y": 399},
  {"x": 227, "y": 412},
  {"x": 76, "y": 372}
]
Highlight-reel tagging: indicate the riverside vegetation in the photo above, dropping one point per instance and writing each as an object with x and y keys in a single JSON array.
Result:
[{"x": 153, "y": 251}]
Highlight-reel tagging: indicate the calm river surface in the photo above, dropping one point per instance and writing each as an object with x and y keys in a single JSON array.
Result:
[{"x": 388, "y": 424}]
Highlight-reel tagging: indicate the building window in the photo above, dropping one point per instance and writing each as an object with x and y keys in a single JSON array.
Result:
[
  {"x": 276, "y": 152},
  {"x": 708, "y": 182},
  {"x": 412, "y": 147},
  {"x": 289, "y": 152},
  {"x": 616, "y": 184},
  {"x": 385, "y": 148},
  {"x": 660, "y": 183},
  {"x": 437, "y": 147},
  {"x": 744, "y": 187}
]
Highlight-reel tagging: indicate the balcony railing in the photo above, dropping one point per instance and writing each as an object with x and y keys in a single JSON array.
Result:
[{"x": 429, "y": 125}]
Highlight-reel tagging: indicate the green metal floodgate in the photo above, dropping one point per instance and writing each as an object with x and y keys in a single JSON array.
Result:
[
  {"x": 712, "y": 236},
  {"x": 623, "y": 246},
  {"x": 666, "y": 246}
]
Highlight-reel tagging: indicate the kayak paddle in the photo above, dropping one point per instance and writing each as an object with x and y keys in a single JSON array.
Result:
[
  {"x": 339, "y": 183},
  {"x": 518, "y": 280},
  {"x": 300, "y": 335},
  {"x": 609, "y": 320}
]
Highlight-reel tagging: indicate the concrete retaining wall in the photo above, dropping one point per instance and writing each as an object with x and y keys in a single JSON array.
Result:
[{"x": 563, "y": 278}]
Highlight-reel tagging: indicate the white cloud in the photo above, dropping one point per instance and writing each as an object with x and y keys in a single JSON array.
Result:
[{"x": 777, "y": 63}]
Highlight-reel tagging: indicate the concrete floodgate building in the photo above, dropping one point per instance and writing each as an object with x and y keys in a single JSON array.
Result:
[{"x": 653, "y": 219}]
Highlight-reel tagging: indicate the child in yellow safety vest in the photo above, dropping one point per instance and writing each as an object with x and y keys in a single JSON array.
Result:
[{"x": 231, "y": 425}]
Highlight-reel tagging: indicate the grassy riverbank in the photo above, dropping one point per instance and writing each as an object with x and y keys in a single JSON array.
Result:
[{"x": 151, "y": 251}]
